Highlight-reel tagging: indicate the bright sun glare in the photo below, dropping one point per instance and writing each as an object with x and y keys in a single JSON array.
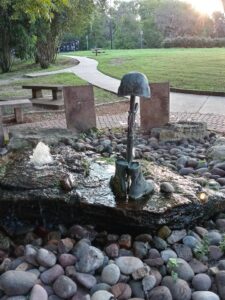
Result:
[{"x": 206, "y": 6}]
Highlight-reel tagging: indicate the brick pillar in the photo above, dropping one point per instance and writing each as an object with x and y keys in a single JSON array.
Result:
[
  {"x": 80, "y": 107},
  {"x": 155, "y": 112}
]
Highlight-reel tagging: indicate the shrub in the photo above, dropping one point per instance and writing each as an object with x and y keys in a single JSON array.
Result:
[{"x": 193, "y": 42}]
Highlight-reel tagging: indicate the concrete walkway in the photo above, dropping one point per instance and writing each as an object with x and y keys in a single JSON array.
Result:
[
  {"x": 179, "y": 102},
  {"x": 183, "y": 107}
]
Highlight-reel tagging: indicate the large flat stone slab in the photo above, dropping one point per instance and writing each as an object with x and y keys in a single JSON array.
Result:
[{"x": 36, "y": 195}]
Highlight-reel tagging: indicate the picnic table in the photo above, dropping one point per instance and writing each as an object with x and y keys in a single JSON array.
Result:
[
  {"x": 97, "y": 51},
  {"x": 37, "y": 90}
]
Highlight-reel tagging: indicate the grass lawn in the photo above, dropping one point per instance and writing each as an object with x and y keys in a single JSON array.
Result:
[
  {"x": 14, "y": 89},
  {"x": 196, "y": 69},
  {"x": 19, "y": 68}
]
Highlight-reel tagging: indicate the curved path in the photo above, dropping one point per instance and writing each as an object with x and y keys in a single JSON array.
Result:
[{"x": 179, "y": 102}]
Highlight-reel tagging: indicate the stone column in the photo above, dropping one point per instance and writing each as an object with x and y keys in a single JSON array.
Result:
[
  {"x": 80, "y": 107},
  {"x": 155, "y": 112}
]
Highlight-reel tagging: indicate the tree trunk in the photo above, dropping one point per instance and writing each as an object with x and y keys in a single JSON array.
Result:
[{"x": 5, "y": 52}]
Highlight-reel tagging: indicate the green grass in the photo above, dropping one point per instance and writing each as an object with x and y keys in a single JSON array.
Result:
[
  {"x": 196, "y": 69},
  {"x": 19, "y": 68},
  {"x": 14, "y": 89}
]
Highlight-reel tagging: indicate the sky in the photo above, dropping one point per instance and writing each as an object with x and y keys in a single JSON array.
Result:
[
  {"x": 203, "y": 6},
  {"x": 206, "y": 6}
]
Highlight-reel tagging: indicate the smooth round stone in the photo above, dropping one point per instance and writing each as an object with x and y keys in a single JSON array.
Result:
[
  {"x": 67, "y": 260},
  {"x": 176, "y": 236},
  {"x": 86, "y": 280},
  {"x": 148, "y": 283},
  {"x": 51, "y": 274},
  {"x": 215, "y": 252},
  {"x": 159, "y": 243},
  {"x": 54, "y": 297},
  {"x": 121, "y": 291},
  {"x": 204, "y": 295},
  {"x": 15, "y": 283},
  {"x": 214, "y": 237},
  {"x": 140, "y": 249},
  {"x": 221, "y": 265},
  {"x": 201, "y": 282},
  {"x": 179, "y": 289},
  {"x": 144, "y": 237},
  {"x": 110, "y": 274},
  {"x": 160, "y": 293},
  {"x": 112, "y": 250},
  {"x": 46, "y": 258},
  {"x": 190, "y": 241},
  {"x": 137, "y": 289},
  {"x": 220, "y": 283},
  {"x": 30, "y": 254},
  {"x": 166, "y": 187},
  {"x": 183, "y": 251},
  {"x": 38, "y": 292},
  {"x": 220, "y": 223},
  {"x": 167, "y": 254},
  {"x": 100, "y": 287},
  {"x": 183, "y": 269},
  {"x": 128, "y": 264},
  {"x": 64, "y": 287},
  {"x": 14, "y": 298},
  {"x": 125, "y": 241},
  {"x": 197, "y": 266},
  {"x": 89, "y": 258},
  {"x": 186, "y": 171},
  {"x": 102, "y": 295},
  {"x": 164, "y": 232}
]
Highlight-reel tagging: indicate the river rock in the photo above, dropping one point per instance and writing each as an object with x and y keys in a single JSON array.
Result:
[
  {"x": 17, "y": 282},
  {"x": 214, "y": 237},
  {"x": 197, "y": 266},
  {"x": 89, "y": 258},
  {"x": 102, "y": 295},
  {"x": 204, "y": 295},
  {"x": 121, "y": 291},
  {"x": 128, "y": 264},
  {"x": 220, "y": 283},
  {"x": 176, "y": 236},
  {"x": 86, "y": 280},
  {"x": 183, "y": 269},
  {"x": 100, "y": 287},
  {"x": 46, "y": 258},
  {"x": 201, "y": 282},
  {"x": 179, "y": 289},
  {"x": 112, "y": 250},
  {"x": 167, "y": 254},
  {"x": 110, "y": 274},
  {"x": 166, "y": 187},
  {"x": 67, "y": 259},
  {"x": 64, "y": 287},
  {"x": 38, "y": 292},
  {"x": 140, "y": 249},
  {"x": 160, "y": 293},
  {"x": 183, "y": 251},
  {"x": 51, "y": 274},
  {"x": 148, "y": 283}
]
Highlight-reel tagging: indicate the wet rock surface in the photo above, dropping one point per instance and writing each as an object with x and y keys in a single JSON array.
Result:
[{"x": 188, "y": 183}]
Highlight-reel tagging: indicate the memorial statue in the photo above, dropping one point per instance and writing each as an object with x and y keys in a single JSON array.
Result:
[{"x": 128, "y": 180}]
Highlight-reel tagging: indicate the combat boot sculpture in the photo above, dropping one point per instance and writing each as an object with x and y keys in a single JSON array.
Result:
[
  {"x": 118, "y": 181},
  {"x": 139, "y": 186}
]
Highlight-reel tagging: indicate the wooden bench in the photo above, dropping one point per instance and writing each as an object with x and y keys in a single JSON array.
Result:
[
  {"x": 97, "y": 51},
  {"x": 37, "y": 90},
  {"x": 17, "y": 105}
]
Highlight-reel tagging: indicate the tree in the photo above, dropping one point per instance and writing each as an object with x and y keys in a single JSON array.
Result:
[
  {"x": 219, "y": 24},
  {"x": 16, "y": 23},
  {"x": 73, "y": 16}
]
